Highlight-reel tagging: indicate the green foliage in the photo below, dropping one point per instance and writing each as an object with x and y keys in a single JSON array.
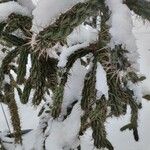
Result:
[
  {"x": 23, "y": 60},
  {"x": 57, "y": 101},
  {"x": 10, "y": 101}
]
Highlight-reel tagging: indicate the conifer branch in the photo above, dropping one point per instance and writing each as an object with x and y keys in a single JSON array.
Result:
[{"x": 12, "y": 106}]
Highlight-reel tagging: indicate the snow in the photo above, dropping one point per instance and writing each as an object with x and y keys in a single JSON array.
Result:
[
  {"x": 142, "y": 34},
  {"x": 74, "y": 85},
  {"x": 35, "y": 2},
  {"x": 64, "y": 134},
  {"x": 87, "y": 140},
  {"x": 101, "y": 82},
  {"x": 7, "y": 79},
  {"x": 51, "y": 10},
  {"x": 52, "y": 52},
  {"x": 81, "y": 34},
  {"x": 12, "y": 7},
  {"x": 28, "y": 4}
]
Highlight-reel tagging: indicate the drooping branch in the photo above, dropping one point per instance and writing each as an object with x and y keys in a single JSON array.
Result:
[
  {"x": 9, "y": 96},
  {"x": 13, "y": 108}
]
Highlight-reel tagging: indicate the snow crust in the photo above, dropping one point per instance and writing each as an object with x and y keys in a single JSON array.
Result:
[
  {"x": 63, "y": 135},
  {"x": 101, "y": 82},
  {"x": 81, "y": 34},
  {"x": 28, "y": 4},
  {"x": 74, "y": 85},
  {"x": 87, "y": 141}
]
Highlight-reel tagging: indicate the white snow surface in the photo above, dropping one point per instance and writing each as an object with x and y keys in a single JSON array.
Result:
[
  {"x": 47, "y": 11},
  {"x": 87, "y": 140},
  {"x": 101, "y": 82},
  {"x": 81, "y": 34},
  {"x": 74, "y": 85},
  {"x": 64, "y": 135},
  {"x": 12, "y": 7},
  {"x": 28, "y": 4}
]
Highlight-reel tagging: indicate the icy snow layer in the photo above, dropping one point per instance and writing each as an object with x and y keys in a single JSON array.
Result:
[
  {"x": 64, "y": 135},
  {"x": 81, "y": 34},
  {"x": 12, "y": 7},
  {"x": 121, "y": 29},
  {"x": 27, "y": 3},
  {"x": 87, "y": 140},
  {"x": 74, "y": 85},
  {"x": 101, "y": 82},
  {"x": 142, "y": 34},
  {"x": 35, "y": 1},
  {"x": 47, "y": 11}
]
